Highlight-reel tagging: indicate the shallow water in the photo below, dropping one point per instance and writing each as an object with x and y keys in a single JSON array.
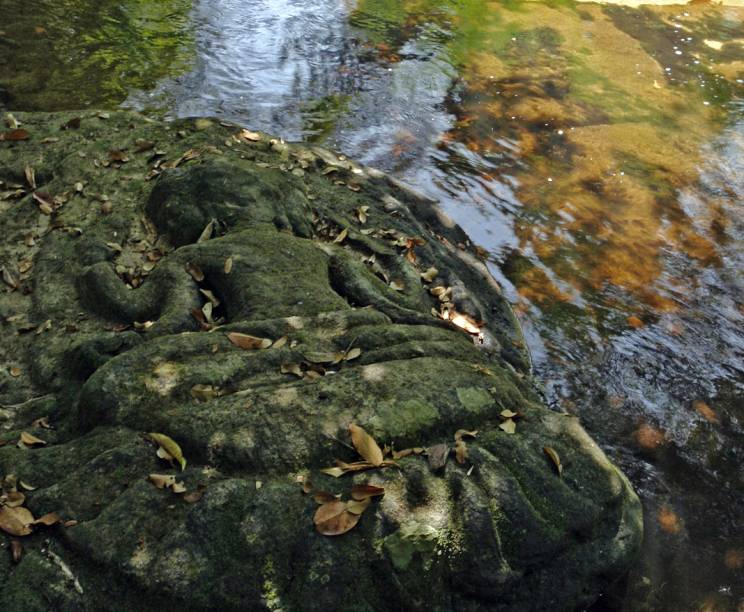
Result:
[{"x": 596, "y": 153}]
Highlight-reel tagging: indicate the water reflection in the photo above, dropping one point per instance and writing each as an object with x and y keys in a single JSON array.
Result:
[{"x": 596, "y": 152}]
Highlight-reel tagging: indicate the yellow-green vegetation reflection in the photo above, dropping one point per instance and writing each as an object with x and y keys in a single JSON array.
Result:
[
  {"x": 68, "y": 54},
  {"x": 596, "y": 116}
]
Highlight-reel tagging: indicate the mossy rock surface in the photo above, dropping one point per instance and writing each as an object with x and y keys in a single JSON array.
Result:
[{"x": 132, "y": 249}]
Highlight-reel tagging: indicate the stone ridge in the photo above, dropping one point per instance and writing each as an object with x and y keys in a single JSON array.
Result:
[{"x": 133, "y": 249}]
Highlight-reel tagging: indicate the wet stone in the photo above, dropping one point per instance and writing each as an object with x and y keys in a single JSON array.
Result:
[{"x": 201, "y": 242}]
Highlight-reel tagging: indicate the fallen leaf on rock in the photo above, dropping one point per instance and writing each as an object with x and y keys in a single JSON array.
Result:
[
  {"x": 228, "y": 265},
  {"x": 30, "y": 176},
  {"x": 206, "y": 232},
  {"x": 16, "y": 521},
  {"x": 553, "y": 456},
  {"x": 408, "y": 451},
  {"x": 358, "y": 506},
  {"x": 247, "y": 342},
  {"x": 508, "y": 414},
  {"x": 27, "y": 487},
  {"x": 509, "y": 426},
  {"x": 15, "y": 135},
  {"x": 333, "y": 519},
  {"x": 437, "y": 455},
  {"x": 170, "y": 448},
  {"x": 45, "y": 202},
  {"x": 352, "y": 354},
  {"x": 280, "y": 342},
  {"x": 250, "y": 136},
  {"x": 70, "y": 523},
  {"x": 429, "y": 275},
  {"x": 195, "y": 272},
  {"x": 31, "y": 440},
  {"x": 324, "y": 497},
  {"x": 396, "y": 285},
  {"x": 336, "y": 472},
  {"x": 11, "y": 121},
  {"x": 13, "y": 499},
  {"x": 342, "y": 236},
  {"x": 317, "y": 357},
  {"x": 16, "y": 549},
  {"x": 162, "y": 481},
  {"x": 361, "y": 214},
  {"x": 178, "y": 487},
  {"x": 52, "y": 518},
  {"x": 292, "y": 368},
  {"x": 365, "y": 445},
  {"x": 10, "y": 278},
  {"x": 464, "y": 433},
  {"x": 72, "y": 124},
  {"x": 461, "y": 451},
  {"x": 194, "y": 496},
  {"x": 360, "y": 492},
  {"x": 14, "y": 371}
]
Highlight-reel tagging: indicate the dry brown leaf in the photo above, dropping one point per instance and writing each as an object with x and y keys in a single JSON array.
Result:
[
  {"x": 461, "y": 451},
  {"x": 178, "y": 487},
  {"x": 352, "y": 354},
  {"x": 170, "y": 447},
  {"x": 706, "y": 412},
  {"x": 336, "y": 472},
  {"x": 30, "y": 176},
  {"x": 554, "y": 457},
  {"x": 464, "y": 433},
  {"x": 16, "y": 521},
  {"x": 429, "y": 275},
  {"x": 14, "y": 499},
  {"x": 333, "y": 519},
  {"x": 194, "y": 496},
  {"x": 437, "y": 455},
  {"x": 247, "y": 342},
  {"x": 10, "y": 278},
  {"x": 359, "y": 492},
  {"x": 45, "y": 202},
  {"x": 30, "y": 440},
  {"x": 316, "y": 357},
  {"x": 342, "y": 236},
  {"x": 509, "y": 426},
  {"x": 358, "y": 506},
  {"x": 361, "y": 214},
  {"x": 292, "y": 368},
  {"x": 42, "y": 422},
  {"x": 15, "y": 135},
  {"x": 195, "y": 272},
  {"x": 324, "y": 497},
  {"x": 52, "y": 518},
  {"x": 14, "y": 371},
  {"x": 162, "y": 481},
  {"x": 16, "y": 549},
  {"x": 280, "y": 342},
  {"x": 365, "y": 445},
  {"x": 206, "y": 232}
]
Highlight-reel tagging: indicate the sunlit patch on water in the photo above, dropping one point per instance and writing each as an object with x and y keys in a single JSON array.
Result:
[{"x": 595, "y": 150}]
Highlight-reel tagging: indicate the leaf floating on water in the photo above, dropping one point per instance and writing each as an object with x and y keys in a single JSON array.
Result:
[
  {"x": 553, "y": 456},
  {"x": 429, "y": 275},
  {"x": 438, "y": 455},
  {"x": 169, "y": 447},
  {"x": 16, "y": 521},
  {"x": 360, "y": 492},
  {"x": 31, "y": 440},
  {"x": 247, "y": 342},
  {"x": 509, "y": 426},
  {"x": 365, "y": 445}
]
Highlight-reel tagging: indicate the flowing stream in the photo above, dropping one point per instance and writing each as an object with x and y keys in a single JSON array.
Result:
[{"x": 594, "y": 151}]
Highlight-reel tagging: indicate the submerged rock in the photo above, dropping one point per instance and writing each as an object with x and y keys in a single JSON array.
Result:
[{"x": 132, "y": 249}]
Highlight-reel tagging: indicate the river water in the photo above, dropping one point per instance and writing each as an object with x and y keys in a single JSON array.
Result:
[{"x": 595, "y": 151}]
